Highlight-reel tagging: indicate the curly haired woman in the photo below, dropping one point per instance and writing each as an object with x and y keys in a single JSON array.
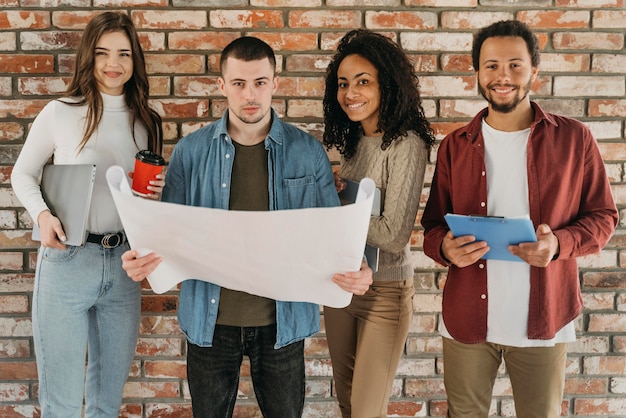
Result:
[{"x": 373, "y": 115}]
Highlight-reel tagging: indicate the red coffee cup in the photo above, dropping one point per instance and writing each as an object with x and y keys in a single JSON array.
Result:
[{"x": 147, "y": 165}]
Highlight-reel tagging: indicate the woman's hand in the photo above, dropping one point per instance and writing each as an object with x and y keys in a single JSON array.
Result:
[
  {"x": 356, "y": 282},
  {"x": 155, "y": 187},
  {"x": 339, "y": 183},
  {"x": 52, "y": 234}
]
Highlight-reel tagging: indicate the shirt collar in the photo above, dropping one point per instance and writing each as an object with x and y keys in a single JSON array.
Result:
[{"x": 275, "y": 134}]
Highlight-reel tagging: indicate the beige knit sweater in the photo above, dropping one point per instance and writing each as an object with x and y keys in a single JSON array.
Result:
[{"x": 399, "y": 173}]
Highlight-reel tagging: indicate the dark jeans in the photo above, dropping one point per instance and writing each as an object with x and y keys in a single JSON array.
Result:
[{"x": 277, "y": 375}]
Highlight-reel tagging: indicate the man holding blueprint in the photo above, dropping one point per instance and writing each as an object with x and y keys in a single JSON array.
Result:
[
  {"x": 249, "y": 160},
  {"x": 513, "y": 160}
]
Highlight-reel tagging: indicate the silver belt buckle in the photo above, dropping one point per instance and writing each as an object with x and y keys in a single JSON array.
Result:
[{"x": 112, "y": 240}]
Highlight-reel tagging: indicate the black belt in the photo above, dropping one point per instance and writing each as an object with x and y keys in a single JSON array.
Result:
[{"x": 108, "y": 240}]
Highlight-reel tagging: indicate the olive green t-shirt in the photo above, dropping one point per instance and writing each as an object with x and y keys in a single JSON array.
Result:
[{"x": 248, "y": 191}]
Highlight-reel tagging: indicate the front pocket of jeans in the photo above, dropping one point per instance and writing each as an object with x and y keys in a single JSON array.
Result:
[{"x": 54, "y": 255}]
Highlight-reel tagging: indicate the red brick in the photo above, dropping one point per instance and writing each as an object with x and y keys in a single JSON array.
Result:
[
  {"x": 130, "y": 3},
  {"x": 406, "y": 408},
  {"x": 152, "y": 41},
  {"x": 181, "y": 108},
  {"x": 605, "y": 280},
  {"x": 305, "y": 109},
  {"x": 457, "y": 63},
  {"x": 588, "y": 40},
  {"x": 472, "y": 20},
  {"x": 11, "y": 370},
  {"x": 610, "y": 108},
  {"x": 301, "y": 86},
  {"x": 153, "y": 346},
  {"x": 331, "y": 19},
  {"x": 13, "y": 304},
  {"x": 609, "y": 18},
  {"x": 19, "y": 411},
  {"x": 151, "y": 390},
  {"x": 11, "y": 131},
  {"x": 246, "y": 19},
  {"x": 586, "y": 386},
  {"x": 315, "y": 347},
  {"x": 42, "y": 86},
  {"x": 26, "y": 63},
  {"x": 14, "y": 349},
  {"x": 425, "y": 387},
  {"x": 201, "y": 41},
  {"x": 590, "y": 3},
  {"x": 401, "y": 20},
  {"x": 159, "y": 303},
  {"x": 21, "y": 19},
  {"x": 555, "y": 19},
  {"x": 49, "y": 41},
  {"x": 165, "y": 369},
  {"x": 175, "y": 63},
  {"x": 196, "y": 86},
  {"x": 600, "y": 407},
  {"x": 73, "y": 20},
  {"x": 170, "y": 410},
  {"x": 170, "y": 19},
  {"x": 307, "y": 63},
  {"x": 289, "y": 41}
]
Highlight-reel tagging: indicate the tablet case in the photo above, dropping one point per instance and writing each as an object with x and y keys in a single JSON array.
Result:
[
  {"x": 67, "y": 190},
  {"x": 498, "y": 232},
  {"x": 347, "y": 196}
]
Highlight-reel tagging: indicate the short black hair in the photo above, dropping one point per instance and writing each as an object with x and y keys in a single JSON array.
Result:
[
  {"x": 506, "y": 28},
  {"x": 247, "y": 48}
]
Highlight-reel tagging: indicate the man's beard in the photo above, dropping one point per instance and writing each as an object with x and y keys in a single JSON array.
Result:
[{"x": 505, "y": 107}]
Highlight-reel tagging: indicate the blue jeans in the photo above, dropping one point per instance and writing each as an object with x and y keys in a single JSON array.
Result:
[
  {"x": 277, "y": 374},
  {"x": 83, "y": 301}
]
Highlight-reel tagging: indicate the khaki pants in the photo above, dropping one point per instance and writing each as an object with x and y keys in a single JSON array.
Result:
[
  {"x": 366, "y": 340},
  {"x": 537, "y": 377}
]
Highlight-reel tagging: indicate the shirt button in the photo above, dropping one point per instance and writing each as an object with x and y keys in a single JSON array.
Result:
[
  {"x": 482, "y": 204},
  {"x": 481, "y": 266},
  {"x": 212, "y": 300},
  {"x": 483, "y": 173},
  {"x": 227, "y": 156},
  {"x": 483, "y": 296},
  {"x": 223, "y": 185}
]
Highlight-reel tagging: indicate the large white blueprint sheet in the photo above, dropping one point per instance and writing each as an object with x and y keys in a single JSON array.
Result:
[{"x": 287, "y": 255}]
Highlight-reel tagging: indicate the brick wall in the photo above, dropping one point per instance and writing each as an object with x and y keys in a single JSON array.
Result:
[{"x": 582, "y": 76}]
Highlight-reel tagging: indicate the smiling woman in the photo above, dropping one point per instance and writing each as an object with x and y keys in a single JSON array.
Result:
[
  {"x": 373, "y": 114},
  {"x": 113, "y": 63},
  {"x": 83, "y": 299}
]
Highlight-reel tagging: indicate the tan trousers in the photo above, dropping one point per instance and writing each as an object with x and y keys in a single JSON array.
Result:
[
  {"x": 366, "y": 340},
  {"x": 537, "y": 377}
]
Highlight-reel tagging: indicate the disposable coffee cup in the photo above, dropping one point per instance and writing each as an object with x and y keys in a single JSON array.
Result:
[{"x": 147, "y": 165}]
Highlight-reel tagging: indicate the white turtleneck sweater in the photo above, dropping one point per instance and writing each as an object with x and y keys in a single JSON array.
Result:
[{"x": 57, "y": 131}]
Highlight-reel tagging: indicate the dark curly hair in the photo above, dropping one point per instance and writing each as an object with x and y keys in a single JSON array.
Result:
[
  {"x": 400, "y": 103},
  {"x": 506, "y": 28}
]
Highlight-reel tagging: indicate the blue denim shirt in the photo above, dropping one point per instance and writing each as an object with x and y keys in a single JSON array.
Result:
[{"x": 199, "y": 174}]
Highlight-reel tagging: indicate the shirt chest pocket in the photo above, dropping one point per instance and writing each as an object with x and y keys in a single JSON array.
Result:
[{"x": 299, "y": 193}]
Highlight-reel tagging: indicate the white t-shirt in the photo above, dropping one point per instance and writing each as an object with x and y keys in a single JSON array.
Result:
[{"x": 508, "y": 282}]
